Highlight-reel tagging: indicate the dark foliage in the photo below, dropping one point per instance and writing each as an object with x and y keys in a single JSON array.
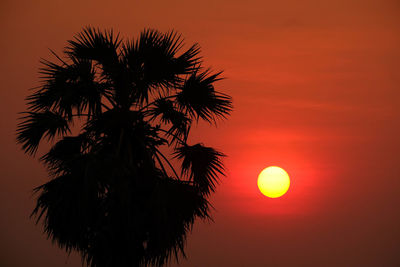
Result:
[{"x": 113, "y": 195}]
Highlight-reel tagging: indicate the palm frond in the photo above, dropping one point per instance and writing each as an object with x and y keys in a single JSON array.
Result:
[
  {"x": 189, "y": 60},
  {"x": 198, "y": 97},
  {"x": 68, "y": 88},
  {"x": 153, "y": 62},
  {"x": 36, "y": 125},
  {"x": 180, "y": 123},
  {"x": 202, "y": 165},
  {"x": 102, "y": 47},
  {"x": 94, "y": 44},
  {"x": 61, "y": 156}
]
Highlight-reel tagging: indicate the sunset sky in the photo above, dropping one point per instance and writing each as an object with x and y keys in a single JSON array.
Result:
[{"x": 316, "y": 91}]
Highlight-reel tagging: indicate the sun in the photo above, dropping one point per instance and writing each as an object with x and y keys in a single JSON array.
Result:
[{"x": 273, "y": 182}]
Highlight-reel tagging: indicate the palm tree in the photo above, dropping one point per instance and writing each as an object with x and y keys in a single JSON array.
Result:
[{"x": 118, "y": 115}]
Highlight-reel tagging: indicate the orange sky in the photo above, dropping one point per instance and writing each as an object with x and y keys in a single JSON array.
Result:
[{"x": 316, "y": 91}]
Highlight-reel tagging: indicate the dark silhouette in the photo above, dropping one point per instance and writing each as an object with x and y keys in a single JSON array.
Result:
[{"x": 114, "y": 195}]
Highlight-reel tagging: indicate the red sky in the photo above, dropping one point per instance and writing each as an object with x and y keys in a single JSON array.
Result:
[{"x": 316, "y": 91}]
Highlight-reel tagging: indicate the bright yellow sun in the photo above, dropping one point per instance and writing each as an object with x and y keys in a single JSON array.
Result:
[{"x": 273, "y": 182}]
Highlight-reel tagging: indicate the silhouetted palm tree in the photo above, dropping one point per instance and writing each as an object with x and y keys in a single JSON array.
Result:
[{"x": 114, "y": 195}]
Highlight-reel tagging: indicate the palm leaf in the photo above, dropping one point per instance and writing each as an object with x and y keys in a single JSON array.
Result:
[
  {"x": 102, "y": 47},
  {"x": 180, "y": 123},
  {"x": 37, "y": 125},
  {"x": 68, "y": 88},
  {"x": 153, "y": 62},
  {"x": 198, "y": 97},
  {"x": 201, "y": 165},
  {"x": 60, "y": 158},
  {"x": 95, "y": 45}
]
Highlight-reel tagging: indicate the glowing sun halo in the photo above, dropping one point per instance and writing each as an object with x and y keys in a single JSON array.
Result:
[{"x": 273, "y": 182}]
